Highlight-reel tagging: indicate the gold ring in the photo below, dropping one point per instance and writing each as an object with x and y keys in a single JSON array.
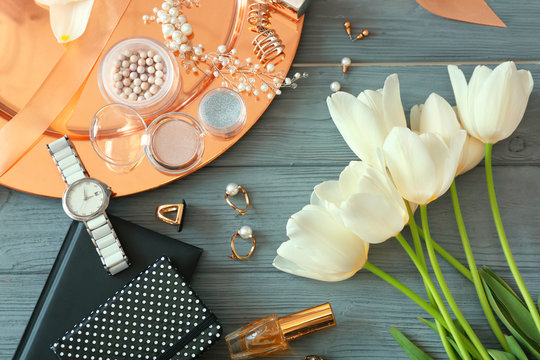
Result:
[
  {"x": 232, "y": 190},
  {"x": 245, "y": 235}
]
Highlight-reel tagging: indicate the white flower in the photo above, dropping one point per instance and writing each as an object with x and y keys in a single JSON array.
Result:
[
  {"x": 68, "y": 17},
  {"x": 364, "y": 122},
  {"x": 365, "y": 201},
  {"x": 422, "y": 166},
  {"x": 320, "y": 247},
  {"x": 437, "y": 116},
  {"x": 492, "y": 105}
]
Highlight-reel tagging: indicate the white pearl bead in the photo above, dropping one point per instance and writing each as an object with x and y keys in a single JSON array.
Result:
[
  {"x": 145, "y": 86},
  {"x": 150, "y": 69},
  {"x": 133, "y": 67},
  {"x": 157, "y": 58},
  {"x": 245, "y": 232},
  {"x": 125, "y": 64},
  {"x": 159, "y": 66},
  {"x": 264, "y": 88},
  {"x": 141, "y": 69},
  {"x": 335, "y": 86},
  {"x": 177, "y": 35},
  {"x": 346, "y": 61},
  {"x": 141, "y": 62},
  {"x": 232, "y": 189},
  {"x": 186, "y": 29},
  {"x": 154, "y": 89},
  {"x": 132, "y": 97},
  {"x": 167, "y": 29},
  {"x": 270, "y": 96},
  {"x": 143, "y": 54},
  {"x": 117, "y": 77},
  {"x": 166, "y": 6},
  {"x": 144, "y": 77},
  {"x": 241, "y": 87},
  {"x": 222, "y": 49},
  {"x": 249, "y": 60},
  {"x": 133, "y": 59},
  {"x": 133, "y": 75},
  {"x": 184, "y": 48},
  {"x": 159, "y": 74},
  {"x": 182, "y": 19},
  {"x": 256, "y": 92},
  {"x": 159, "y": 81},
  {"x": 173, "y": 11}
]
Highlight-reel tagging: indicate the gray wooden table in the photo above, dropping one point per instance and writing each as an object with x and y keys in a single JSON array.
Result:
[{"x": 293, "y": 147}]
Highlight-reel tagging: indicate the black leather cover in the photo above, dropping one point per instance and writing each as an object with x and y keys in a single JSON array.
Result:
[{"x": 78, "y": 283}]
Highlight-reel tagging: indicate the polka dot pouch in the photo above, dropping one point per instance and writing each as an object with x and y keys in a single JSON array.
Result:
[{"x": 156, "y": 316}]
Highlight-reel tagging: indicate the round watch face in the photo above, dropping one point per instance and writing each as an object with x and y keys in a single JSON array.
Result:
[{"x": 85, "y": 197}]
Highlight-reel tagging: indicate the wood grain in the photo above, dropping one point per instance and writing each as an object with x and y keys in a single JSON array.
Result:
[
  {"x": 293, "y": 147},
  {"x": 403, "y": 31}
]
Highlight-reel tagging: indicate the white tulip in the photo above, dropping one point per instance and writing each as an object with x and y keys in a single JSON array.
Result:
[
  {"x": 364, "y": 122},
  {"x": 437, "y": 116},
  {"x": 492, "y": 105},
  {"x": 422, "y": 166},
  {"x": 365, "y": 201},
  {"x": 320, "y": 247},
  {"x": 68, "y": 17}
]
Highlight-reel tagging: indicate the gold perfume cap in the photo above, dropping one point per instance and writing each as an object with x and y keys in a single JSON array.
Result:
[{"x": 307, "y": 321}]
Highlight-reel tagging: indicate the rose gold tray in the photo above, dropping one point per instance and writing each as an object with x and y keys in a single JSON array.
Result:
[{"x": 30, "y": 52}]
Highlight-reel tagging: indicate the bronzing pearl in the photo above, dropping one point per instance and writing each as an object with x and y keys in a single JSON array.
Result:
[
  {"x": 335, "y": 86},
  {"x": 245, "y": 232},
  {"x": 232, "y": 189}
]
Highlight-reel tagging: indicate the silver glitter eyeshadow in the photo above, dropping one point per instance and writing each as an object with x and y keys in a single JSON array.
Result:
[{"x": 222, "y": 112}]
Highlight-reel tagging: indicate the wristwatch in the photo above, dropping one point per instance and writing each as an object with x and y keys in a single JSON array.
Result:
[{"x": 86, "y": 199}]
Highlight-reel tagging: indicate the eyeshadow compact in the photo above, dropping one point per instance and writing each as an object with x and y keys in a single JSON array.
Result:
[
  {"x": 141, "y": 73},
  {"x": 222, "y": 112},
  {"x": 173, "y": 143}
]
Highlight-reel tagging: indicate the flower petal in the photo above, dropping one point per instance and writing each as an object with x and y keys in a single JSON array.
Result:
[
  {"x": 290, "y": 267},
  {"x": 372, "y": 217},
  {"x": 438, "y": 117},
  {"x": 473, "y": 152},
  {"x": 69, "y": 18},
  {"x": 356, "y": 123},
  {"x": 410, "y": 165},
  {"x": 393, "y": 108},
  {"x": 459, "y": 85}
]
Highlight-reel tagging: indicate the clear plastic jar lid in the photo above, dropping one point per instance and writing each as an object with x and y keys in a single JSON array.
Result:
[{"x": 141, "y": 73}]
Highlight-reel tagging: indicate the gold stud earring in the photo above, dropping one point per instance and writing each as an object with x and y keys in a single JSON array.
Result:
[
  {"x": 347, "y": 25},
  {"x": 245, "y": 232},
  {"x": 362, "y": 35},
  {"x": 345, "y": 63},
  {"x": 233, "y": 189}
]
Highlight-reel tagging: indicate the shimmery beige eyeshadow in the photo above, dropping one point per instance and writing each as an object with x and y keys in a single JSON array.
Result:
[{"x": 175, "y": 143}]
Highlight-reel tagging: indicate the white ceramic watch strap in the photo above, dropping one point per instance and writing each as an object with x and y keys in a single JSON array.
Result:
[
  {"x": 66, "y": 160},
  {"x": 100, "y": 229},
  {"x": 107, "y": 244}
]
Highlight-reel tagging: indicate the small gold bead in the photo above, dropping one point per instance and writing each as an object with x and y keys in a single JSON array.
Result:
[
  {"x": 365, "y": 32},
  {"x": 359, "y": 37}
]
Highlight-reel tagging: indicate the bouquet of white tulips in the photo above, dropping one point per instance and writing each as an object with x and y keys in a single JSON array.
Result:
[{"x": 402, "y": 169}]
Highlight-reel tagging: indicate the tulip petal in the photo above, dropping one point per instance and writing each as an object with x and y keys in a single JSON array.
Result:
[
  {"x": 329, "y": 192},
  {"x": 356, "y": 123},
  {"x": 317, "y": 240},
  {"x": 410, "y": 165},
  {"x": 372, "y": 218},
  {"x": 473, "y": 152},
  {"x": 414, "y": 116},
  {"x": 459, "y": 85},
  {"x": 439, "y": 117},
  {"x": 69, "y": 18},
  {"x": 290, "y": 267},
  {"x": 393, "y": 108},
  {"x": 348, "y": 179}
]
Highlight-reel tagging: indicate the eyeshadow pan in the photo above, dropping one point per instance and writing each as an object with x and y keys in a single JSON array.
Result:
[{"x": 222, "y": 112}]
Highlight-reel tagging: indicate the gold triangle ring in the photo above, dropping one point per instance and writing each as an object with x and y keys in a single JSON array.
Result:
[{"x": 161, "y": 210}]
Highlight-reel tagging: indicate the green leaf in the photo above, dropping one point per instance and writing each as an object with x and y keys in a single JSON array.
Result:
[
  {"x": 501, "y": 355},
  {"x": 514, "y": 306},
  {"x": 408, "y": 346},
  {"x": 516, "y": 349},
  {"x": 487, "y": 271},
  {"x": 507, "y": 321}
]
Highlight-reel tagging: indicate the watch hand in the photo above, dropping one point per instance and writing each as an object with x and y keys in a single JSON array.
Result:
[{"x": 85, "y": 195}]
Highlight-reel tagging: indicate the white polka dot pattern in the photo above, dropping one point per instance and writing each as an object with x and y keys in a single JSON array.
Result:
[{"x": 152, "y": 317}]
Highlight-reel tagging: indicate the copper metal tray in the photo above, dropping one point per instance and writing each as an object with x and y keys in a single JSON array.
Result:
[{"x": 30, "y": 51}]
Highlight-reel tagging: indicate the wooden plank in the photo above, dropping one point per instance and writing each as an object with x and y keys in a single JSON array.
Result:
[
  {"x": 403, "y": 31},
  {"x": 243, "y": 291},
  {"x": 297, "y": 129}
]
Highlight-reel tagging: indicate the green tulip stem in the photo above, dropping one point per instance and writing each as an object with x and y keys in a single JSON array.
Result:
[
  {"x": 504, "y": 241},
  {"x": 438, "y": 300},
  {"x": 405, "y": 290},
  {"x": 474, "y": 271},
  {"x": 446, "y": 291},
  {"x": 420, "y": 254}
]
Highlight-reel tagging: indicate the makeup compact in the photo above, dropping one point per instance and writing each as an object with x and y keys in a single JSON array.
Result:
[
  {"x": 141, "y": 73},
  {"x": 222, "y": 112},
  {"x": 173, "y": 142}
]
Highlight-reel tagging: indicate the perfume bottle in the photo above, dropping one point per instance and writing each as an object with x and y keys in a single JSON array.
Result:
[{"x": 272, "y": 333}]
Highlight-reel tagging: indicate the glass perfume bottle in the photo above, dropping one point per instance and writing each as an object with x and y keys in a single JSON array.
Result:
[{"x": 272, "y": 333}]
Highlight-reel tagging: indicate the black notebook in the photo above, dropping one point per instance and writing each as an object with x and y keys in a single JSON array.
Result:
[{"x": 78, "y": 283}]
